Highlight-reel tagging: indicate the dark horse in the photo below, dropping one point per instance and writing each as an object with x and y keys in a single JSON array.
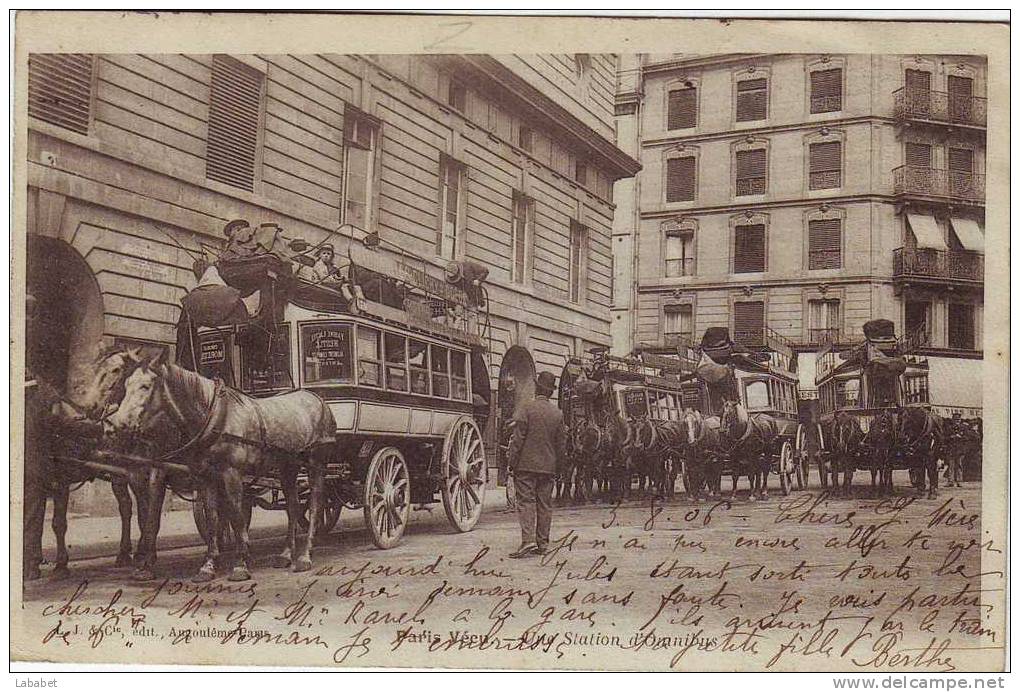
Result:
[
  {"x": 57, "y": 426},
  {"x": 701, "y": 454},
  {"x": 231, "y": 438},
  {"x": 845, "y": 452},
  {"x": 878, "y": 448},
  {"x": 658, "y": 450},
  {"x": 749, "y": 442},
  {"x": 918, "y": 442}
]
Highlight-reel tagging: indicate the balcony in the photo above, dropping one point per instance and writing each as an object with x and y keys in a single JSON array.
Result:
[
  {"x": 938, "y": 266},
  {"x": 940, "y": 107},
  {"x": 961, "y": 186},
  {"x": 824, "y": 336}
]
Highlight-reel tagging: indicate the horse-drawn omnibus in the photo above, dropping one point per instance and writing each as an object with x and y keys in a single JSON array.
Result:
[
  {"x": 399, "y": 357},
  {"x": 859, "y": 382},
  {"x": 613, "y": 408}
]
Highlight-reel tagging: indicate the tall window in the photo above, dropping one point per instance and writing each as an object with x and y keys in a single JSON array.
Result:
[
  {"x": 360, "y": 135},
  {"x": 749, "y": 322},
  {"x": 456, "y": 95},
  {"x": 961, "y": 170},
  {"x": 525, "y": 137},
  {"x": 235, "y": 116},
  {"x": 752, "y": 99},
  {"x": 578, "y": 261},
  {"x": 678, "y": 324},
  {"x": 918, "y": 91},
  {"x": 679, "y": 253},
  {"x": 825, "y": 243},
  {"x": 916, "y": 317},
  {"x": 681, "y": 183},
  {"x": 580, "y": 173},
  {"x": 451, "y": 189},
  {"x": 825, "y": 164},
  {"x": 823, "y": 320},
  {"x": 682, "y": 110},
  {"x": 961, "y": 326},
  {"x": 961, "y": 89},
  {"x": 752, "y": 166},
  {"x": 827, "y": 90},
  {"x": 749, "y": 249},
  {"x": 60, "y": 89},
  {"x": 522, "y": 227}
]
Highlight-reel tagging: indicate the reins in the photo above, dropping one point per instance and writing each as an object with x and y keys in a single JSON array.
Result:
[{"x": 182, "y": 421}]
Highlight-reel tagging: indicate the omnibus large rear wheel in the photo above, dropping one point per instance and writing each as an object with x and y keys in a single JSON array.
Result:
[
  {"x": 464, "y": 474},
  {"x": 387, "y": 497}
]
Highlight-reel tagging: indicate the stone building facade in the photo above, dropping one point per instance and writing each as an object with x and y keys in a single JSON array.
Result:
[
  {"x": 135, "y": 159},
  {"x": 799, "y": 196}
]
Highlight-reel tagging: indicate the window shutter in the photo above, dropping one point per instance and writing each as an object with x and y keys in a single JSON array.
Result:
[
  {"x": 235, "y": 114},
  {"x": 748, "y": 322},
  {"x": 918, "y": 81},
  {"x": 824, "y": 244},
  {"x": 960, "y": 86},
  {"x": 751, "y": 166},
  {"x": 60, "y": 89},
  {"x": 680, "y": 182},
  {"x": 825, "y": 165},
  {"x": 752, "y": 99},
  {"x": 826, "y": 90},
  {"x": 961, "y": 160},
  {"x": 918, "y": 155},
  {"x": 749, "y": 249},
  {"x": 682, "y": 109}
]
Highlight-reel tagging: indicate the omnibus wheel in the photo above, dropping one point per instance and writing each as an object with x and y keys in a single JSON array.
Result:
[
  {"x": 387, "y": 497},
  {"x": 786, "y": 467},
  {"x": 463, "y": 474},
  {"x": 800, "y": 467}
]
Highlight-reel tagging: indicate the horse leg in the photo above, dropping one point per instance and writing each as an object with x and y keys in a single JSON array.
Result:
[
  {"x": 208, "y": 495},
  {"x": 61, "y": 496},
  {"x": 288, "y": 479},
  {"x": 34, "y": 520},
  {"x": 155, "y": 491},
  {"x": 124, "y": 507},
  {"x": 849, "y": 468},
  {"x": 933, "y": 478},
  {"x": 233, "y": 506},
  {"x": 764, "y": 469},
  {"x": 316, "y": 478},
  {"x": 138, "y": 485}
]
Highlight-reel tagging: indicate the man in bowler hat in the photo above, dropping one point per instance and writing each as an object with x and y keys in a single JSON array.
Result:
[{"x": 536, "y": 448}]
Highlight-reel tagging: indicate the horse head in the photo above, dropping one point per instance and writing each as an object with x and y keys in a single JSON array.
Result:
[
  {"x": 106, "y": 386},
  {"x": 142, "y": 398},
  {"x": 693, "y": 423},
  {"x": 733, "y": 420}
]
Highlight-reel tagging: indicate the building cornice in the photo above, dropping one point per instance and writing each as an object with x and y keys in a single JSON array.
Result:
[
  {"x": 805, "y": 125},
  {"x": 736, "y": 207},
  {"x": 532, "y": 101},
  {"x": 658, "y": 286},
  {"x": 679, "y": 64}
]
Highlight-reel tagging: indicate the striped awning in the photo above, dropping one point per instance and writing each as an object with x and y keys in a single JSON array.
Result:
[
  {"x": 927, "y": 232},
  {"x": 969, "y": 234}
]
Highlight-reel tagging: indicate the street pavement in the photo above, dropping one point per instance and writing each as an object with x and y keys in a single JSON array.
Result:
[{"x": 791, "y": 583}]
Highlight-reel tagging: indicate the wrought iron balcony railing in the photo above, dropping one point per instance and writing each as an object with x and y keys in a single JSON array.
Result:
[
  {"x": 823, "y": 336},
  {"x": 939, "y": 106},
  {"x": 944, "y": 265},
  {"x": 939, "y": 182}
]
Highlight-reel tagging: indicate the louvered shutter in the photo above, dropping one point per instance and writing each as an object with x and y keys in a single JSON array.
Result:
[
  {"x": 960, "y": 91},
  {"x": 751, "y": 167},
  {"x": 918, "y": 155},
  {"x": 752, "y": 99},
  {"x": 918, "y": 81},
  {"x": 961, "y": 160},
  {"x": 824, "y": 244},
  {"x": 680, "y": 184},
  {"x": 749, "y": 249},
  {"x": 827, "y": 90},
  {"x": 235, "y": 114},
  {"x": 961, "y": 326},
  {"x": 682, "y": 109},
  {"x": 60, "y": 89},
  {"x": 825, "y": 165},
  {"x": 748, "y": 322}
]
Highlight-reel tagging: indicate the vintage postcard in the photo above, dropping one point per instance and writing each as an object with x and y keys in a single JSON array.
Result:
[{"x": 418, "y": 341}]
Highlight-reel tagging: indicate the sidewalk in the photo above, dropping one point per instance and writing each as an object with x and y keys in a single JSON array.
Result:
[{"x": 99, "y": 537}]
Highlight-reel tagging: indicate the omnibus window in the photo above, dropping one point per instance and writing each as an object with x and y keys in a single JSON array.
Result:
[
  {"x": 757, "y": 394},
  {"x": 440, "y": 372},
  {"x": 396, "y": 362},
  {"x": 458, "y": 369},
  {"x": 418, "y": 364},
  {"x": 265, "y": 359},
  {"x": 326, "y": 354},
  {"x": 214, "y": 356},
  {"x": 916, "y": 389},
  {"x": 848, "y": 394},
  {"x": 369, "y": 371}
]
